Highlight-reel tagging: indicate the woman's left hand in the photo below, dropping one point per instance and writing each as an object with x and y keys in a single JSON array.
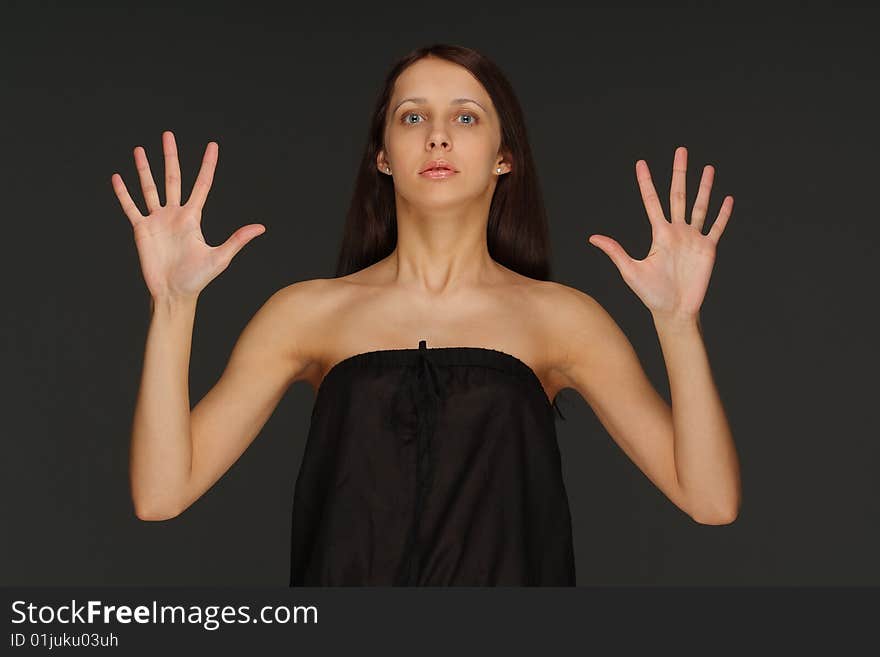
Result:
[{"x": 672, "y": 279}]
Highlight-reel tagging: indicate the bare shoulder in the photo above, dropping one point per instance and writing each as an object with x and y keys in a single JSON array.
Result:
[
  {"x": 293, "y": 318},
  {"x": 576, "y": 323},
  {"x": 304, "y": 293},
  {"x": 569, "y": 301}
]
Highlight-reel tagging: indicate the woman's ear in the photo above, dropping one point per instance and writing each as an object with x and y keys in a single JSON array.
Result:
[
  {"x": 503, "y": 162},
  {"x": 382, "y": 163}
]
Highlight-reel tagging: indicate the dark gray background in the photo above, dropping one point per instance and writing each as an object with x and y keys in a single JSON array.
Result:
[{"x": 784, "y": 105}]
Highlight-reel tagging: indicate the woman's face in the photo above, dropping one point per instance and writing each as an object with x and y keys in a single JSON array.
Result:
[{"x": 438, "y": 110}]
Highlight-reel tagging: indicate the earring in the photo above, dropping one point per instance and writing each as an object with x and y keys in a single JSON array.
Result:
[
  {"x": 388, "y": 169},
  {"x": 498, "y": 169}
]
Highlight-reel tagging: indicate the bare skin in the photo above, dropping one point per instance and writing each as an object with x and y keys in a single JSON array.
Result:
[
  {"x": 477, "y": 317},
  {"x": 439, "y": 284}
]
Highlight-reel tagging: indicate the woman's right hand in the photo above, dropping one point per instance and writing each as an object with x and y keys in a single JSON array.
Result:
[{"x": 175, "y": 260}]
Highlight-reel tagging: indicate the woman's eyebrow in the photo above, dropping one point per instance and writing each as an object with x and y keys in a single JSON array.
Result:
[{"x": 454, "y": 101}]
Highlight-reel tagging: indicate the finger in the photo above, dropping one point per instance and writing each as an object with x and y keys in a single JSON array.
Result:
[
  {"x": 701, "y": 205},
  {"x": 613, "y": 250},
  {"x": 172, "y": 169},
  {"x": 128, "y": 207},
  {"x": 230, "y": 248},
  {"x": 721, "y": 221},
  {"x": 148, "y": 185},
  {"x": 649, "y": 194},
  {"x": 202, "y": 186},
  {"x": 677, "y": 194}
]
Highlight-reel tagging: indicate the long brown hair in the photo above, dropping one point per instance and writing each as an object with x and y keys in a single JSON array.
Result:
[{"x": 517, "y": 232}]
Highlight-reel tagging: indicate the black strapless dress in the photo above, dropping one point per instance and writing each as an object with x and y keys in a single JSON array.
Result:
[{"x": 431, "y": 467}]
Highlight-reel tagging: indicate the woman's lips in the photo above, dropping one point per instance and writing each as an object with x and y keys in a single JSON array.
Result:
[{"x": 438, "y": 174}]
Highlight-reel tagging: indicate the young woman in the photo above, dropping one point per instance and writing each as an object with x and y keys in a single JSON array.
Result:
[{"x": 434, "y": 464}]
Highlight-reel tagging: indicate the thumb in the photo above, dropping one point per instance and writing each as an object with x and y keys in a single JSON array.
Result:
[
  {"x": 612, "y": 249},
  {"x": 230, "y": 248}
]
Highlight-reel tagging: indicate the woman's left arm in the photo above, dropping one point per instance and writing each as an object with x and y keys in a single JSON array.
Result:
[
  {"x": 672, "y": 281},
  {"x": 705, "y": 456}
]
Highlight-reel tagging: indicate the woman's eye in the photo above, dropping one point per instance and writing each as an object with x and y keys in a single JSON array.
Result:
[{"x": 472, "y": 121}]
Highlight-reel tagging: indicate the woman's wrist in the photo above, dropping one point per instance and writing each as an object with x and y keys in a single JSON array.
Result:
[{"x": 172, "y": 303}]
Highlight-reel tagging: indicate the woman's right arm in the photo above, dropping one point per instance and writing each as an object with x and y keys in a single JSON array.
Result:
[
  {"x": 178, "y": 454},
  {"x": 177, "y": 264},
  {"x": 161, "y": 444}
]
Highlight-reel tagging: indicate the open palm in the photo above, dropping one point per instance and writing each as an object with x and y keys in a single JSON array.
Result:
[
  {"x": 673, "y": 278},
  {"x": 175, "y": 259}
]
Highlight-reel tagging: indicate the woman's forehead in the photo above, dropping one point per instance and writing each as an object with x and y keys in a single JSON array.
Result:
[{"x": 431, "y": 81}]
